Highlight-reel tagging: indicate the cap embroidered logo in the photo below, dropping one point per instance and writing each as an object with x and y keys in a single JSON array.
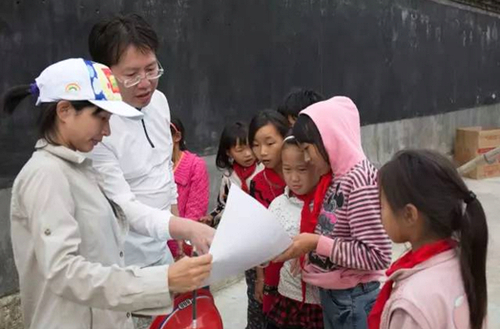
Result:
[{"x": 72, "y": 87}]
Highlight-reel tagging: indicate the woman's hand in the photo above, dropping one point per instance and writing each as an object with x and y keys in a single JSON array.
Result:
[
  {"x": 189, "y": 273},
  {"x": 301, "y": 245}
]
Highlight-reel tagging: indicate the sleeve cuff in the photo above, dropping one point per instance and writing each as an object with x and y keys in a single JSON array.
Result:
[
  {"x": 155, "y": 286},
  {"x": 325, "y": 246},
  {"x": 163, "y": 225}
]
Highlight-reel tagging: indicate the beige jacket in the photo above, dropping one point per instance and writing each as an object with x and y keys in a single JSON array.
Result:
[{"x": 68, "y": 247}]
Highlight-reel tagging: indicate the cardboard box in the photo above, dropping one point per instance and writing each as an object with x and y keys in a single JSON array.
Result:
[{"x": 471, "y": 142}]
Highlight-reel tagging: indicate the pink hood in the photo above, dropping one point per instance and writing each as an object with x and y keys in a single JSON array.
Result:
[{"x": 338, "y": 123}]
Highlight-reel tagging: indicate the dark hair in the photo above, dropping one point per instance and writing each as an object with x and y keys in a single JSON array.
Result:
[
  {"x": 298, "y": 100},
  {"x": 109, "y": 38},
  {"x": 177, "y": 126},
  {"x": 47, "y": 118},
  {"x": 234, "y": 134},
  {"x": 264, "y": 118},
  {"x": 430, "y": 182},
  {"x": 306, "y": 131},
  {"x": 289, "y": 140}
]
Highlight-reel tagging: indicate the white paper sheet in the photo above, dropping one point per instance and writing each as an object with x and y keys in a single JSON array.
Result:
[{"x": 248, "y": 235}]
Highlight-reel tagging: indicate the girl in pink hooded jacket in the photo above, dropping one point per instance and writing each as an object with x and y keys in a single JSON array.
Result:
[
  {"x": 350, "y": 248},
  {"x": 441, "y": 282}
]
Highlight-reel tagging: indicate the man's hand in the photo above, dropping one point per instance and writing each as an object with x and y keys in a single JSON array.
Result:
[
  {"x": 200, "y": 235},
  {"x": 301, "y": 245},
  {"x": 188, "y": 273}
]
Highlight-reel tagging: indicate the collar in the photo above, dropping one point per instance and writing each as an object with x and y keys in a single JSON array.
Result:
[
  {"x": 61, "y": 152},
  {"x": 433, "y": 261},
  {"x": 291, "y": 197}
]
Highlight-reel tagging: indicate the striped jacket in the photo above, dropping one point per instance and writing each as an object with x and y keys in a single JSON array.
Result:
[{"x": 354, "y": 247}]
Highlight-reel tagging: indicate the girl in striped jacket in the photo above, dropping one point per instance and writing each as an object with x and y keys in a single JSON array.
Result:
[{"x": 349, "y": 249}]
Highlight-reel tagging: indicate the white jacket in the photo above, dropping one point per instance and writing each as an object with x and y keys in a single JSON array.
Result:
[
  {"x": 68, "y": 248},
  {"x": 287, "y": 210},
  {"x": 135, "y": 163}
]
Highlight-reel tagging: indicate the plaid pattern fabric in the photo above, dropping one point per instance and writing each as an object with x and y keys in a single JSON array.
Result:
[{"x": 291, "y": 314}]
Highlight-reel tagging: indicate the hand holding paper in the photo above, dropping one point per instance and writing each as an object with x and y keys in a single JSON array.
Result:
[{"x": 248, "y": 235}]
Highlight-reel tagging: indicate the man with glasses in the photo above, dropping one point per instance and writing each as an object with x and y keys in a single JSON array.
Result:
[{"x": 135, "y": 161}]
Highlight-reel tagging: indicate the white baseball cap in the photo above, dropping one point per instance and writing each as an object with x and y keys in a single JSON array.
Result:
[{"x": 77, "y": 79}]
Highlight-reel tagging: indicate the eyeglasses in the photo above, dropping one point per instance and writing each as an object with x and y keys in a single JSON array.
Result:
[{"x": 154, "y": 74}]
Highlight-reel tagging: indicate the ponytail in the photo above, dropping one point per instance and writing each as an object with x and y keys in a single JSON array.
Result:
[
  {"x": 47, "y": 112},
  {"x": 431, "y": 182},
  {"x": 473, "y": 242},
  {"x": 12, "y": 97}
]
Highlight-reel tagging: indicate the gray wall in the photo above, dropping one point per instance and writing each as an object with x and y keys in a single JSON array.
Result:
[
  {"x": 227, "y": 59},
  {"x": 8, "y": 274}
]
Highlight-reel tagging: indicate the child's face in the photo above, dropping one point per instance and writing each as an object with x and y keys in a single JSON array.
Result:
[
  {"x": 242, "y": 154},
  {"x": 397, "y": 225},
  {"x": 176, "y": 137},
  {"x": 299, "y": 175},
  {"x": 313, "y": 156},
  {"x": 267, "y": 146}
]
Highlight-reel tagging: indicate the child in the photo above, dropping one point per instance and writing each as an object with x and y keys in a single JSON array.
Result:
[
  {"x": 350, "y": 248},
  {"x": 441, "y": 281},
  {"x": 191, "y": 177},
  {"x": 296, "y": 305},
  {"x": 266, "y": 133},
  {"x": 237, "y": 161},
  {"x": 296, "y": 101}
]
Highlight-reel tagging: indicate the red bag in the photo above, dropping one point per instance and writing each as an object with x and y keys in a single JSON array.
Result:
[{"x": 208, "y": 316}]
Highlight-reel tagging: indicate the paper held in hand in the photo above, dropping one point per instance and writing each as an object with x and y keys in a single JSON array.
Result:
[{"x": 248, "y": 235}]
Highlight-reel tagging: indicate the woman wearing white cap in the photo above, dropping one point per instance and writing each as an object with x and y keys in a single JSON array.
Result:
[{"x": 67, "y": 236}]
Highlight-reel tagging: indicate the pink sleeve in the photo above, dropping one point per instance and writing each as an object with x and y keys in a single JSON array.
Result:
[
  {"x": 197, "y": 200},
  {"x": 325, "y": 246}
]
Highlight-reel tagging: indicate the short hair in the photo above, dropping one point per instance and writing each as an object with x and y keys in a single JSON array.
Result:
[{"x": 109, "y": 38}]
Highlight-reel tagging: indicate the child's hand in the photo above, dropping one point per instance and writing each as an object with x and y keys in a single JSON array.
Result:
[
  {"x": 301, "y": 245},
  {"x": 295, "y": 267},
  {"x": 259, "y": 290},
  {"x": 206, "y": 220}
]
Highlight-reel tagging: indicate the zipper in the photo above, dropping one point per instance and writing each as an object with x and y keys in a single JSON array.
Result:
[
  {"x": 146, "y": 132},
  {"x": 91, "y": 318}
]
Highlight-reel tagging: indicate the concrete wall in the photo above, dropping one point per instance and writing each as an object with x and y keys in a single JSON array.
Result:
[
  {"x": 227, "y": 59},
  {"x": 381, "y": 141}
]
